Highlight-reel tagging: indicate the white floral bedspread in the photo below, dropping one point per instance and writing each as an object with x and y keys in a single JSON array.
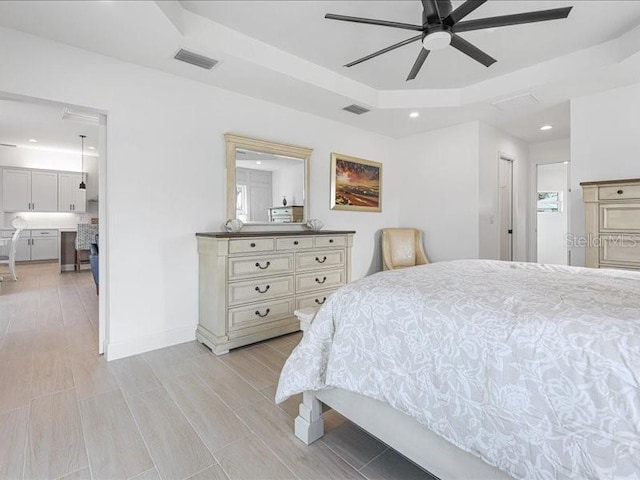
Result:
[{"x": 534, "y": 368}]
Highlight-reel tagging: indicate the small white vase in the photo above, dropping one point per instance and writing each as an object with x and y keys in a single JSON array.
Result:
[
  {"x": 315, "y": 224},
  {"x": 233, "y": 225}
]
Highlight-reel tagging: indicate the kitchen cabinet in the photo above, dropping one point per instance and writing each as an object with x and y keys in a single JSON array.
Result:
[
  {"x": 70, "y": 197},
  {"x": 29, "y": 190},
  {"x": 37, "y": 244}
]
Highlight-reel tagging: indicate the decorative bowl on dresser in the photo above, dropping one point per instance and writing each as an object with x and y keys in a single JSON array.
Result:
[
  {"x": 612, "y": 223},
  {"x": 252, "y": 282}
]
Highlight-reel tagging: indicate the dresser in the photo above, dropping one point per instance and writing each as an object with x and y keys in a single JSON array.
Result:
[
  {"x": 612, "y": 228},
  {"x": 290, "y": 214},
  {"x": 251, "y": 283}
]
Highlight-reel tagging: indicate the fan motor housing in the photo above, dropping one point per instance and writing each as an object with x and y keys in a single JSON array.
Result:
[{"x": 430, "y": 14}]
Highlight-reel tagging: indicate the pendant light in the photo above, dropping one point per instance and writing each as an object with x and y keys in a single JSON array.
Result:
[{"x": 82, "y": 186}]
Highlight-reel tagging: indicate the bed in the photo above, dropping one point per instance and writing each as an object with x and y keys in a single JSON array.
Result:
[{"x": 482, "y": 369}]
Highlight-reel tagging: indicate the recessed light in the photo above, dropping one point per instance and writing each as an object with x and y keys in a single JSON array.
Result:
[
  {"x": 566, "y": 163},
  {"x": 92, "y": 148},
  {"x": 33, "y": 140},
  {"x": 546, "y": 127},
  {"x": 414, "y": 114},
  {"x": 258, "y": 162}
]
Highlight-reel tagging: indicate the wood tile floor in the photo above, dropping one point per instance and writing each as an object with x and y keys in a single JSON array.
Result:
[{"x": 176, "y": 413}]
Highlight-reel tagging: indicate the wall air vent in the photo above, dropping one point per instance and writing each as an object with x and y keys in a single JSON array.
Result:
[
  {"x": 357, "y": 109},
  {"x": 7, "y": 145},
  {"x": 80, "y": 116},
  {"x": 519, "y": 102},
  {"x": 195, "y": 59}
]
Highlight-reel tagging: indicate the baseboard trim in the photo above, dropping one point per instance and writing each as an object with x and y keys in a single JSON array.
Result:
[{"x": 116, "y": 350}]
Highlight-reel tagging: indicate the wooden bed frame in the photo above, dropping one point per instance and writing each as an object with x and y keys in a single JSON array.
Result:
[{"x": 399, "y": 431}]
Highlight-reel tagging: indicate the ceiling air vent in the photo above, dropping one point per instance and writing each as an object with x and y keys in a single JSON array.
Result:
[
  {"x": 195, "y": 59},
  {"x": 519, "y": 102},
  {"x": 80, "y": 116},
  {"x": 357, "y": 109},
  {"x": 7, "y": 145}
]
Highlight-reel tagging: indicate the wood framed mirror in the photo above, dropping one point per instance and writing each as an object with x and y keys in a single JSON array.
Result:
[{"x": 267, "y": 182}]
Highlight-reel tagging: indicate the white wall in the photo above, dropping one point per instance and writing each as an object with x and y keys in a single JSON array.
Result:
[
  {"x": 493, "y": 144},
  {"x": 605, "y": 145},
  {"x": 439, "y": 173},
  {"x": 166, "y": 175},
  {"x": 288, "y": 181},
  {"x": 552, "y": 226}
]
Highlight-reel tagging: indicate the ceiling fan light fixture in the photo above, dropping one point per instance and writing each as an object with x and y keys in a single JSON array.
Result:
[{"x": 436, "y": 40}]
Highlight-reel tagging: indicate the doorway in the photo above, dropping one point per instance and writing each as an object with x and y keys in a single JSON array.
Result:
[
  {"x": 67, "y": 145},
  {"x": 552, "y": 213},
  {"x": 505, "y": 202}
]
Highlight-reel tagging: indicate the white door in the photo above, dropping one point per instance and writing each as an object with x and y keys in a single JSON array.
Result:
[
  {"x": 45, "y": 248},
  {"x": 23, "y": 250},
  {"x": 552, "y": 215},
  {"x": 65, "y": 192},
  {"x": 506, "y": 209},
  {"x": 16, "y": 190},
  {"x": 79, "y": 196},
  {"x": 44, "y": 191}
]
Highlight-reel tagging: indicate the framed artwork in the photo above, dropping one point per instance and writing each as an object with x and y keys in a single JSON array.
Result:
[
  {"x": 549, "y": 202},
  {"x": 356, "y": 184}
]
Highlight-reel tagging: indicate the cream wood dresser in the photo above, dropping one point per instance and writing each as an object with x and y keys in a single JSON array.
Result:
[
  {"x": 251, "y": 283},
  {"x": 612, "y": 211}
]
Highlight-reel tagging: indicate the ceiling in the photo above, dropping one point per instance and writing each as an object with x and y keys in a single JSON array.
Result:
[
  {"x": 21, "y": 121},
  {"x": 301, "y": 29},
  {"x": 287, "y": 53}
]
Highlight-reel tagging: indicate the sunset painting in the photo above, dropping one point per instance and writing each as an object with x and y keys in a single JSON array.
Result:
[{"x": 355, "y": 184}]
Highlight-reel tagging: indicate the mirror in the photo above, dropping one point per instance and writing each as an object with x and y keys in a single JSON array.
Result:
[{"x": 267, "y": 182}]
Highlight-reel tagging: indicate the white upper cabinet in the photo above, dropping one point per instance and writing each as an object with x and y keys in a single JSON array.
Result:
[
  {"x": 16, "y": 190},
  {"x": 44, "y": 191},
  {"x": 70, "y": 197},
  {"x": 29, "y": 190}
]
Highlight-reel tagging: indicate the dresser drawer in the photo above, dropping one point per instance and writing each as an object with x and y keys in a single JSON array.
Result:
[
  {"x": 620, "y": 249},
  {"x": 260, "y": 289},
  {"x": 251, "y": 245},
  {"x": 294, "y": 243},
  {"x": 313, "y": 300},
  {"x": 310, "y": 282},
  {"x": 330, "y": 241},
  {"x": 621, "y": 192},
  {"x": 615, "y": 217},
  {"x": 260, "y": 313},
  {"x": 44, "y": 233},
  {"x": 243, "y": 267},
  {"x": 319, "y": 260}
]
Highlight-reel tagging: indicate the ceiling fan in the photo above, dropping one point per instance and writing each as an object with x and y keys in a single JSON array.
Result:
[{"x": 441, "y": 26}]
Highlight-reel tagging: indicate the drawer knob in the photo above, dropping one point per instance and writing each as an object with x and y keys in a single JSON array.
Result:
[
  {"x": 263, "y": 314},
  {"x": 261, "y": 267},
  {"x": 324, "y": 259},
  {"x": 321, "y": 302},
  {"x": 295, "y": 242},
  {"x": 620, "y": 192},
  {"x": 266, "y": 289},
  {"x": 324, "y": 279},
  {"x": 331, "y": 240},
  {"x": 253, "y": 245}
]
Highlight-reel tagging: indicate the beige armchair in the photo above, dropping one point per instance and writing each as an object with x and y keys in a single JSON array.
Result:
[{"x": 401, "y": 248}]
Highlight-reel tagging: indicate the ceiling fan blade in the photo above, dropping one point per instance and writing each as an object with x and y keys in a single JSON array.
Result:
[
  {"x": 385, "y": 50},
  {"x": 463, "y": 10},
  {"x": 422, "y": 56},
  {"x": 471, "y": 50},
  {"x": 515, "y": 19},
  {"x": 372, "y": 21}
]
